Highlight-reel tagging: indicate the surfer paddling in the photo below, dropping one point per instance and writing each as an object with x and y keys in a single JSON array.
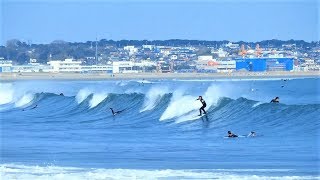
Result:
[
  {"x": 203, "y": 106},
  {"x": 275, "y": 100},
  {"x": 231, "y": 135}
]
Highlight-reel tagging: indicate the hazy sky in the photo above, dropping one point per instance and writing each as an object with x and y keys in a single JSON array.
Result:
[{"x": 234, "y": 20}]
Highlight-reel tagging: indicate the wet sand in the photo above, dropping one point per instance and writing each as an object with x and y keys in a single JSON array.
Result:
[{"x": 92, "y": 76}]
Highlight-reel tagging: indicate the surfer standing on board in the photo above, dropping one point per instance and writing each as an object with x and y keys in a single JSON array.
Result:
[{"x": 203, "y": 105}]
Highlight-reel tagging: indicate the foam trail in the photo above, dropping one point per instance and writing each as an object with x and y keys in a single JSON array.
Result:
[
  {"x": 27, "y": 98},
  {"x": 153, "y": 97},
  {"x": 6, "y": 93},
  {"x": 122, "y": 83},
  {"x": 97, "y": 99},
  {"x": 257, "y": 104},
  {"x": 211, "y": 96},
  {"x": 180, "y": 105},
  {"x": 82, "y": 95},
  {"x": 8, "y": 171},
  {"x": 144, "y": 82}
]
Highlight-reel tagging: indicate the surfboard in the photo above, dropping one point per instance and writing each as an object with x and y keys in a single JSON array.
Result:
[
  {"x": 197, "y": 117},
  {"x": 239, "y": 136}
]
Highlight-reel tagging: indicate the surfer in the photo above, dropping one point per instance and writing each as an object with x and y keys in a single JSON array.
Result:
[
  {"x": 34, "y": 106},
  {"x": 61, "y": 94},
  {"x": 275, "y": 100},
  {"x": 252, "y": 134},
  {"x": 231, "y": 135},
  {"x": 115, "y": 112},
  {"x": 203, "y": 106}
]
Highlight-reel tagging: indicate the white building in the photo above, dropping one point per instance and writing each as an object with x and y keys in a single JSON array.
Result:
[
  {"x": 145, "y": 63},
  {"x": 151, "y": 47},
  {"x": 218, "y": 66},
  {"x": 205, "y": 58},
  {"x": 165, "y": 51},
  {"x": 32, "y": 67},
  {"x": 232, "y": 46},
  {"x": 226, "y": 66},
  {"x": 97, "y": 69},
  {"x": 173, "y": 57},
  {"x": 131, "y": 49},
  {"x": 68, "y": 65},
  {"x": 122, "y": 66},
  {"x": 220, "y": 52}
]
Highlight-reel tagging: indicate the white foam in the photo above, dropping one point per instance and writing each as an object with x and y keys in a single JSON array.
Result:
[
  {"x": 144, "y": 82},
  {"x": 234, "y": 79},
  {"x": 8, "y": 171},
  {"x": 191, "y": 116},
  {"x": 97, "y": 98},
  {"x": 122, "y": 83},
  {"x": 257, "y": 104},
  {"x": 27, "y": 98},
  {"x": 6, "y": 93},
  {"x": 187, "y": 107},
  {"x": 82, "y": 95},
  {"x": 179, "y": 105},
  {"x": 153, "y": 97}
]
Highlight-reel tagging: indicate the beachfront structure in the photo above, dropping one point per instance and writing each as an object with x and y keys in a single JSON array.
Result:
[
  {"x": 31, "y": 67},
  {"x": 122, "y": 66},
  {"x": 216, "y": 66},
  {"x": 5, "y": 66},
  {"x": 132, "y": 67},
  {"x": 97, "y": 69},
  {"x": 264, "y": 64},
  {"x": 68, "y": 65},
  {"x": 226, "y": 66}
]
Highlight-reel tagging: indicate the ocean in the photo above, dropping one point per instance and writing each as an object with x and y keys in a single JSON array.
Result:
[{"x": 157, "y": 134}]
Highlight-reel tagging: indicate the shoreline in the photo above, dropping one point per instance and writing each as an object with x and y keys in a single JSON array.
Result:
[{"x": 96, "y": 76}]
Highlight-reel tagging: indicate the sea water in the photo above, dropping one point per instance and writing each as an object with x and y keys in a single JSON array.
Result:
[{"x": 158, "y": 135}]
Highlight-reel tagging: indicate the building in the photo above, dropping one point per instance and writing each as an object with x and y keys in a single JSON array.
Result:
[
  {"x": 216, "y": 66},
  {"x": 131, "y": 49},
  {"x": 122, "y": 66},
  {"x": 264, "y": 64},
  {"x": 68, "y": 65},
  {"x": 97, "y": 69},
  {"x": 232, "y": 46},
  {"x": 205, "y": 58},
  {"x": 151, "y": 47},
  {"x": 5, "y": 66},
  {"x": 206, "y": 65},
  {"x": 226, "y": 65}
]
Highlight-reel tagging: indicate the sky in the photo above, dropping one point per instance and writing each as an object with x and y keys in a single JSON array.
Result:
[{"x": 44, "y": 21}]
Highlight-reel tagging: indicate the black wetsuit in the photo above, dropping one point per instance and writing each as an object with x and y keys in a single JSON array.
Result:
[
  {"x": 274, "y": 101},
  {"x": 117, "y": 112},
  {"x": 232, "y": 135},
  {"x": 203, "y": 106}
]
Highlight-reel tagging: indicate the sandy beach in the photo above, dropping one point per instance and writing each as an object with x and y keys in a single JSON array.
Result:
[{"x": 77, "y": 76}]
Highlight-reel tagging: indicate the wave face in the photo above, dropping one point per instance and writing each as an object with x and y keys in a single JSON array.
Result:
[{"x": 158, "y": 131}]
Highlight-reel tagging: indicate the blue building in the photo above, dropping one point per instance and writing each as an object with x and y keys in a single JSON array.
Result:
[{"x": 264, "y": 64}]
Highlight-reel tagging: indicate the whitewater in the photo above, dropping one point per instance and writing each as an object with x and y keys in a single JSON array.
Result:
[{"x": 158, "y": 135}]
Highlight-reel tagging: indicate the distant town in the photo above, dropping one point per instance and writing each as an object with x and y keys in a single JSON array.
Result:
[{"x": 169, "y": 56}]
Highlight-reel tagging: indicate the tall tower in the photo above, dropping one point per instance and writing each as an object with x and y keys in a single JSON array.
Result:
[{"x": 96, "y": 50}]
